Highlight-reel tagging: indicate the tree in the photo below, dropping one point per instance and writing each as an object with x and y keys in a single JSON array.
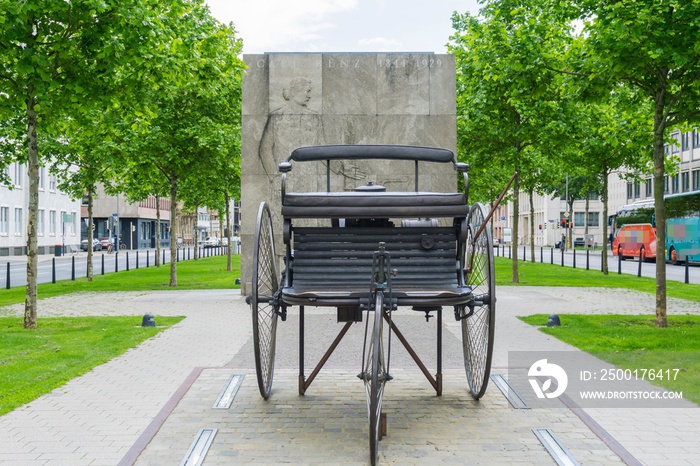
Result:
[
  {"x": 651, "y": 46},
  {"x": 509, "y": 105},
  {"x": 196, "y": 113},
  {"x": 60, "y": 58}
]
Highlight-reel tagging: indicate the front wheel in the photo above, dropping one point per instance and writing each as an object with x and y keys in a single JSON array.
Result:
[
  {"x": 619, "y": 254},
  {"x": 265, "y": 284},
  {"x": 374, "y": 376},
  {"x": 478, "y": 322},
  {"x": 673, "y": 255}
]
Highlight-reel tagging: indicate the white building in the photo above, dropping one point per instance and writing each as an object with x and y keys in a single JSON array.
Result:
[{"x": 58, "y": 217}]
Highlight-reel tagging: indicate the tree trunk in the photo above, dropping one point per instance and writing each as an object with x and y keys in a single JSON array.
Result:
[
  {"x": 229, "y": 259},
  {"x": 90, "y": 254},
  {"x": 532, "y": 226},
  {"x": 659, "y": 211},
  {"x": 30, "y": 302},
  {"x": 195, "y": 233},
  {"x": 516, "y": 221},
  {"x": 604, "y": 254},
  {"x": 158, "y": 231},
  {"x": 173, "y": 245}
]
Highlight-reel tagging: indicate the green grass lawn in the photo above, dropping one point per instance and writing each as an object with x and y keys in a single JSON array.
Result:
[
  {"x": 205, "y": 273},
  {"x": 35, "y": 362},
  {"x": 545, "y": 274},
  {"x": 634, "y": 342}
]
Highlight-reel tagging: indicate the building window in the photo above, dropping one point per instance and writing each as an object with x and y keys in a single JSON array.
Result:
[
  {"x": 696, "y": 179},
  {"x": 648, "y": 188},
  {"x": 685, "y": 141},
  {"x": 696, "y": 138},
  {"x": 675, "y": 183},
  {"x": 630, "y": 191},
  {"x": 636, "y": 190},
  {"x": 685, "y": 181},
  {"x": 665, "y": 184},
  {"x": 593, "y": 219},
  {"x": 40, "y": 222},
  {"x": 18, "y": 175},
  {"x": 52, "y": 183},
  {"x": 579, "y": 218},
  {"x": 676, "y": 147},
  {"x": 72, "y": 223},
  {"x": 4, "y": 220},
  {"x": 52, "y": 222},
  {"x": 18, "y": 221},
  {"x": 145, "y": 231},
  {"x": 42, "y": 178}
]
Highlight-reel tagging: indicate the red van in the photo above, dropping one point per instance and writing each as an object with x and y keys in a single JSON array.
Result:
[{"x": 633, "y": 238}]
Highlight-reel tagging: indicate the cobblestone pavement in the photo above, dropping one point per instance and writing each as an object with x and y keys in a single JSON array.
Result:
[{"x": 147, "y": 405}]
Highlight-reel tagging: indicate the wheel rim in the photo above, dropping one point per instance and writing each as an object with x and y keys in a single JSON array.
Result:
[
  {"x": 478, "y": 329},
  {"x": 374, "y": 377},
  {"x": 264, "y": 285}
]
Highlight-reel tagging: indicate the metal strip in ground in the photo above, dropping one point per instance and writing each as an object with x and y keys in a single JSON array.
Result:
[
  {"x": 145, "y": 438},
  {"x": 555, "y": 448},
  {"x": 199, "y": 448},
  {"x": 513, "y": 397},
  {"x": 615, "y": 446},
  {"x": 229, "y": 392}
]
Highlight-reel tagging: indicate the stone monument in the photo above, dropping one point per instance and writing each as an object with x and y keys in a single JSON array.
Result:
[{"x": 301, "y": 99}]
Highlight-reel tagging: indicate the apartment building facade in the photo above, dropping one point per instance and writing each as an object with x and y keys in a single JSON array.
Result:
[{"x": 58, "y": 221}]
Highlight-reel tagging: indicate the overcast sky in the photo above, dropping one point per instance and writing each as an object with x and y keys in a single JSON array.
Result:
[{"x": 341, "y": 25}]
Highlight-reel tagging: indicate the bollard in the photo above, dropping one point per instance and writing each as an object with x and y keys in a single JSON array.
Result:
[
  {"x": 639, "y": 267},
  {"x": 551, "y": 255},
  {"x": 137, "y": 260},
  {"x": 509, "y": 252},
  {"x": 53, "y": 270},
  {"x": 562, "y": 257},
  {"x": 103, "y": 263},
  {"x": 72, "y": 268},
  {"x": 619, "y": 264},
  {"x": 524, "y": 252},
  {"x": 164, "y": 256},
  {"x": 601, "y": 259},
  {"x": 116, "y": 261},
  {"x": 687, "y": 276},
  {"x": 574, "y": 251},
  {"x": 147, "y": 264},
  {"x": 541, "y": 255},
  {"x": 127, "y": 261},
  {"x": 177, "y": 255},
  {"x": 588, "y": 259},
  {"x": 7, "y": 277}
]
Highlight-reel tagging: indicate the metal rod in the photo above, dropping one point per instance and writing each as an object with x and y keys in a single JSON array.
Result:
[
  {"x": 495, "y": 206},
  {"x": 302, "y": 379},
  {"x": 413, "y": 354},
  {"x": 127, "y": 261},
  {"x": 687, "y": 276},
  {"x": 103, "y": 263},
  {"x": 72, "y": 268},
  {"x": 639, "y": 267},
  {"x": 7, "y": 277},
  {"x": 439, "y": 352},
  {"x": 53, "y": 270},
  {"x": 327, "y": 355}
]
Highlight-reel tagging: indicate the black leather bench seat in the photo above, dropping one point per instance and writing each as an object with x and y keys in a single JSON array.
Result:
[{"x": 373, "y": 205}]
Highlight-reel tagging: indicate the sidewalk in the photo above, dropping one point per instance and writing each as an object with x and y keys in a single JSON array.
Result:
[{"x": 96, "y": 419}]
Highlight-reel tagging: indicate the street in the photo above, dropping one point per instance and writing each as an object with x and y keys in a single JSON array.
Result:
[
  {"x": 630, "y": 266},
  {"x": 103, "y": 262}
]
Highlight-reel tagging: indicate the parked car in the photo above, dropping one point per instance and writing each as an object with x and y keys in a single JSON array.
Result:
[
  {"x": 105, "y": 242},
  {"x": 579, "y": 242},
  {"x": 96, "y": 245},
  {"x": 211, "y": 242}
]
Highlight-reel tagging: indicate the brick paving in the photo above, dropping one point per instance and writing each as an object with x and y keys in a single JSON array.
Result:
[{"x": 105, "y": 415}]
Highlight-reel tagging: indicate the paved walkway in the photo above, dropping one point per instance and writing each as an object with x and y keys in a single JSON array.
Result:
[{"x": 149, "y": 403}]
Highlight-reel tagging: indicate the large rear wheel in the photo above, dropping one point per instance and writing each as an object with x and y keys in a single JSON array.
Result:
[
  {"x": 478, "y": 325},
  {"x": 265, "y": 284}
]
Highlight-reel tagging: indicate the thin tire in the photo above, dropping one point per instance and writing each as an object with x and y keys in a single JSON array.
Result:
[
  {"x": 375, "y": 378},
  {"x": 478, "y": 328},
  {"x": 265, "y": 283}
]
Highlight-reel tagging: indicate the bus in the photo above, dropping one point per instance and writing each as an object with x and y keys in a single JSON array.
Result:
[
  {"x": 633, "y": 229},
  {"x": 683, "y": 227}
]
